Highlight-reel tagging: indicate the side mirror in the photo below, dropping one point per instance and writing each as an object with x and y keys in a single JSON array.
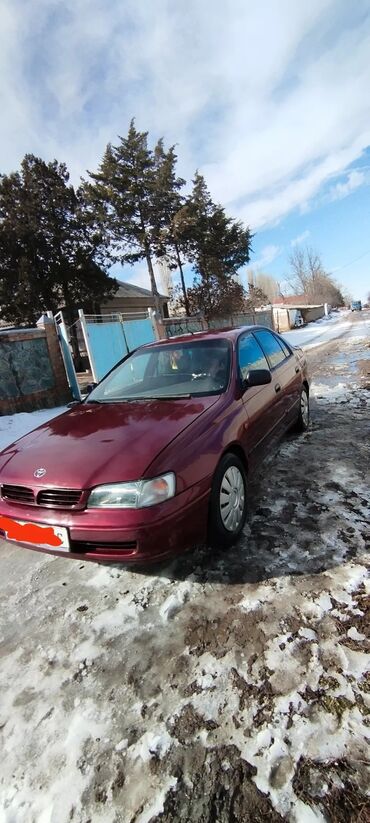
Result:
[
  {"x": 257, "y": 377},
  {"x": 90, "y": 387}
]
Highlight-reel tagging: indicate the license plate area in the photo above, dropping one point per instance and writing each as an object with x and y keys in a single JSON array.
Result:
[{"x": 33, "y": 534}]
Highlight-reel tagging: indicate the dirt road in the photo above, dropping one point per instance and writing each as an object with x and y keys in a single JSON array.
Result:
[{"x": 222, "y": 687}]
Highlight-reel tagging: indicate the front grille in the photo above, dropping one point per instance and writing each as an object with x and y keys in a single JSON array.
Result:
[
  {"x": 53, "y": 498},
  {"x": 59, "y": 498},
  {"x": 18, "y": 494}
]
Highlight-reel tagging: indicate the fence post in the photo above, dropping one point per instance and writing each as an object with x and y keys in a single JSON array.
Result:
[
  {"x": 65, "y": 382},
  {"x": 158, "y": 326},
  {"x": 87, "y": 344}
]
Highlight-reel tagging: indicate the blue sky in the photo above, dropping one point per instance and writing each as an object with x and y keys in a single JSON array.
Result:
[
  {"x": 336, "y": 223},
  {"x": 270, "y": 100}
]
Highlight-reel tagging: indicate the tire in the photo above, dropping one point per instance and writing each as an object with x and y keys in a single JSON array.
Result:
[
  {"x": 229, "y": 492},
  {"x": 303, "y": 421}
]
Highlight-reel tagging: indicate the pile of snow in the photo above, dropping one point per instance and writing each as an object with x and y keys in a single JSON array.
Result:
[
  {"x": 340, "y": 393},
  {"x": 14, "y": 426}
]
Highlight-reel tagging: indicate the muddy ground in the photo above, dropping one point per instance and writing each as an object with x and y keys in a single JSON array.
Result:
[{"x": 220, "y": 687}]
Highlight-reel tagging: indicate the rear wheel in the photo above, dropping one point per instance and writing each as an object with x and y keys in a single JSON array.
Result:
[
  {"x": 228, "y": 505},
  {"x": 304, "y": 412}
]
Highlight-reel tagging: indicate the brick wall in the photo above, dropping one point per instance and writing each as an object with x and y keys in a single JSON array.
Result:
[{"x": 32, "y": 373}]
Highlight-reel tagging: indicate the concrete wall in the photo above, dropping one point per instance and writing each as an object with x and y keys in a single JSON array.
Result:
[
  {"x": 183, "y": 325},
  {"x": 260, "y": 317},
  {"x": 281, "y": 319},
  {"x": 312, "y": 313},
  {"x": 32, "y": 373}
]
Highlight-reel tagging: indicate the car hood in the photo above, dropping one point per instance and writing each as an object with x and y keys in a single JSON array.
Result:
[{"x": 104, "y": 443}]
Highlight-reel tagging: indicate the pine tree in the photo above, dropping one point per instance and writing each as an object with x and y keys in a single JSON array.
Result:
[
  {"x": 217, "y": 246},
  {"x": 122, "y": 195},
  {"x": 167, "y": 203},
  {"x": 49, "y": 257}
]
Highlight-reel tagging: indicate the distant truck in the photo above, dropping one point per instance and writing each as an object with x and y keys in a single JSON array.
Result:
[{"x": 356, "y": 305}]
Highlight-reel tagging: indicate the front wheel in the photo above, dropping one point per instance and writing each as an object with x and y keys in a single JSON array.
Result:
[
  {"x": 228, "y": 504},
  {"x": 304, "y": 412}
]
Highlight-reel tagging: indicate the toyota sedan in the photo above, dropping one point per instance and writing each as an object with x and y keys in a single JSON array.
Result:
[{"x": 159, "y": 456}]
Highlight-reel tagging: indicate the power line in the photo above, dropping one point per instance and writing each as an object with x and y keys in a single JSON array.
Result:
[{"x": 352, "y": 262}]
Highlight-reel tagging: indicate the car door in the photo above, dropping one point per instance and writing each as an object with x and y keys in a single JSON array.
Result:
[
  {"x": 285, "y": 377},
  {"x": 259, "y": 401},
  {"x": 293, "y": 375}
]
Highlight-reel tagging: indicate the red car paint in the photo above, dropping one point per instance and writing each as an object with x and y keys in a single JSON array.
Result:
[{"x": 91, "y": 445}]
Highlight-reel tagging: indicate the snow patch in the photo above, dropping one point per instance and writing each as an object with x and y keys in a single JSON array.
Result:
[{"x": 14, "y": 426}]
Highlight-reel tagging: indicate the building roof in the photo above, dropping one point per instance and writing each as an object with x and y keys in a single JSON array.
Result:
[
  {"x": 291, "y": 300},
  {"x": 130, "y": 290},
  {"x": 296, "y": 305}
]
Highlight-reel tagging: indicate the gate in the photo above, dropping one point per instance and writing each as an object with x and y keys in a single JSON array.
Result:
[
  {"x": 109, "y": 337},
  {"x": 66, "y": 354}
]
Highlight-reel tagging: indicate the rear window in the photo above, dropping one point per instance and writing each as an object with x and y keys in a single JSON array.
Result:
[
  {"x": 284, "y": 347},
  {"x": 271, "y": 347}
]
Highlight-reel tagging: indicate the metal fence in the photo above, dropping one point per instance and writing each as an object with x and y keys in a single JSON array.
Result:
[
  {"x": 109, "y": 337},
  {"x": 175, "y": 326}
]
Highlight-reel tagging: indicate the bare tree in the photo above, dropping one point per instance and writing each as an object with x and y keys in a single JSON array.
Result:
[
  {"x": 308, "y": 277},
  {"x": 298, "y": 278},
  {"x": 268, "y": 285}
]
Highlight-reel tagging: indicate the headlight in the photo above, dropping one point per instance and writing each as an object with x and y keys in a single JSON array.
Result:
[{"x": 137, "y": 495}]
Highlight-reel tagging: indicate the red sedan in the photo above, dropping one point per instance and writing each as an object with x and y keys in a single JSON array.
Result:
[{"x": 157, "y": 458}]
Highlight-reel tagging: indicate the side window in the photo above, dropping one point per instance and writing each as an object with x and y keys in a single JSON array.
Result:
[
  {"x": 250, "y": 356},
  {"x": 271, "y": 347},
  {"x": 284, "y": 347}
]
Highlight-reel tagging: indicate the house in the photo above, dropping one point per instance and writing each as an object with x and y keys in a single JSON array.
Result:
[{"x": 131, "y": 299}]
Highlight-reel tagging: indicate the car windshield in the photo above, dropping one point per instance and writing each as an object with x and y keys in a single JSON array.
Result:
[{"x": 191, "y": 369}]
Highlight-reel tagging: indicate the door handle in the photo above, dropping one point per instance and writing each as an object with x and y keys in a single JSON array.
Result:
[
  {"x": 277, "y": 387},
  {"x": 297, "y": 369}
]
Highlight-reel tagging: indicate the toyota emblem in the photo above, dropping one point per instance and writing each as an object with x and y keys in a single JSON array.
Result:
[{"x": 39, "y": 472}]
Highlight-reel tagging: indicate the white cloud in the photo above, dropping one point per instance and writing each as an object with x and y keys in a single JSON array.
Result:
[
  {"x": 268, "y": 254},
  {"x": 354, "y": 180},
  {"x": 137, "y": 274},
  {"x": 300, "y": 238},
  {"x": 270, "y": 100}
]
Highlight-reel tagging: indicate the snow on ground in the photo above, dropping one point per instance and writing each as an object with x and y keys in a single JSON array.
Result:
[
  {"x": 320, "y": 331},
  {"x": 235, "y": 682},
  {"x": 13, "y": 426}
]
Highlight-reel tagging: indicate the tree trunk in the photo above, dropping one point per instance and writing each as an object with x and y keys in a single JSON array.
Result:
[
  {"x": 153, "y": 284},
  {"x": 186, "y": 301},
  {"x": 155, "y": 293}
]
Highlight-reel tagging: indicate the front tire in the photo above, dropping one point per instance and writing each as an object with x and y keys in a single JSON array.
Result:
[
  {"x": 304, "y": 412},
  {"x": 228, "y": 504}
]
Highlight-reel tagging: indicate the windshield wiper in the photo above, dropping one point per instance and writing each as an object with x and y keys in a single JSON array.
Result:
[
  {"x": 161, "y": 397},
  {"x": 141, "y": 399}
]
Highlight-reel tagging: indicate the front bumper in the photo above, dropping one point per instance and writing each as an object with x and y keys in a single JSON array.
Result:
[{"x": 126, "y": 535}]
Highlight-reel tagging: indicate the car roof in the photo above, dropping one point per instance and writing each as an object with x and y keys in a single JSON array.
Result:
[{"x": 214, "y": 334}]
